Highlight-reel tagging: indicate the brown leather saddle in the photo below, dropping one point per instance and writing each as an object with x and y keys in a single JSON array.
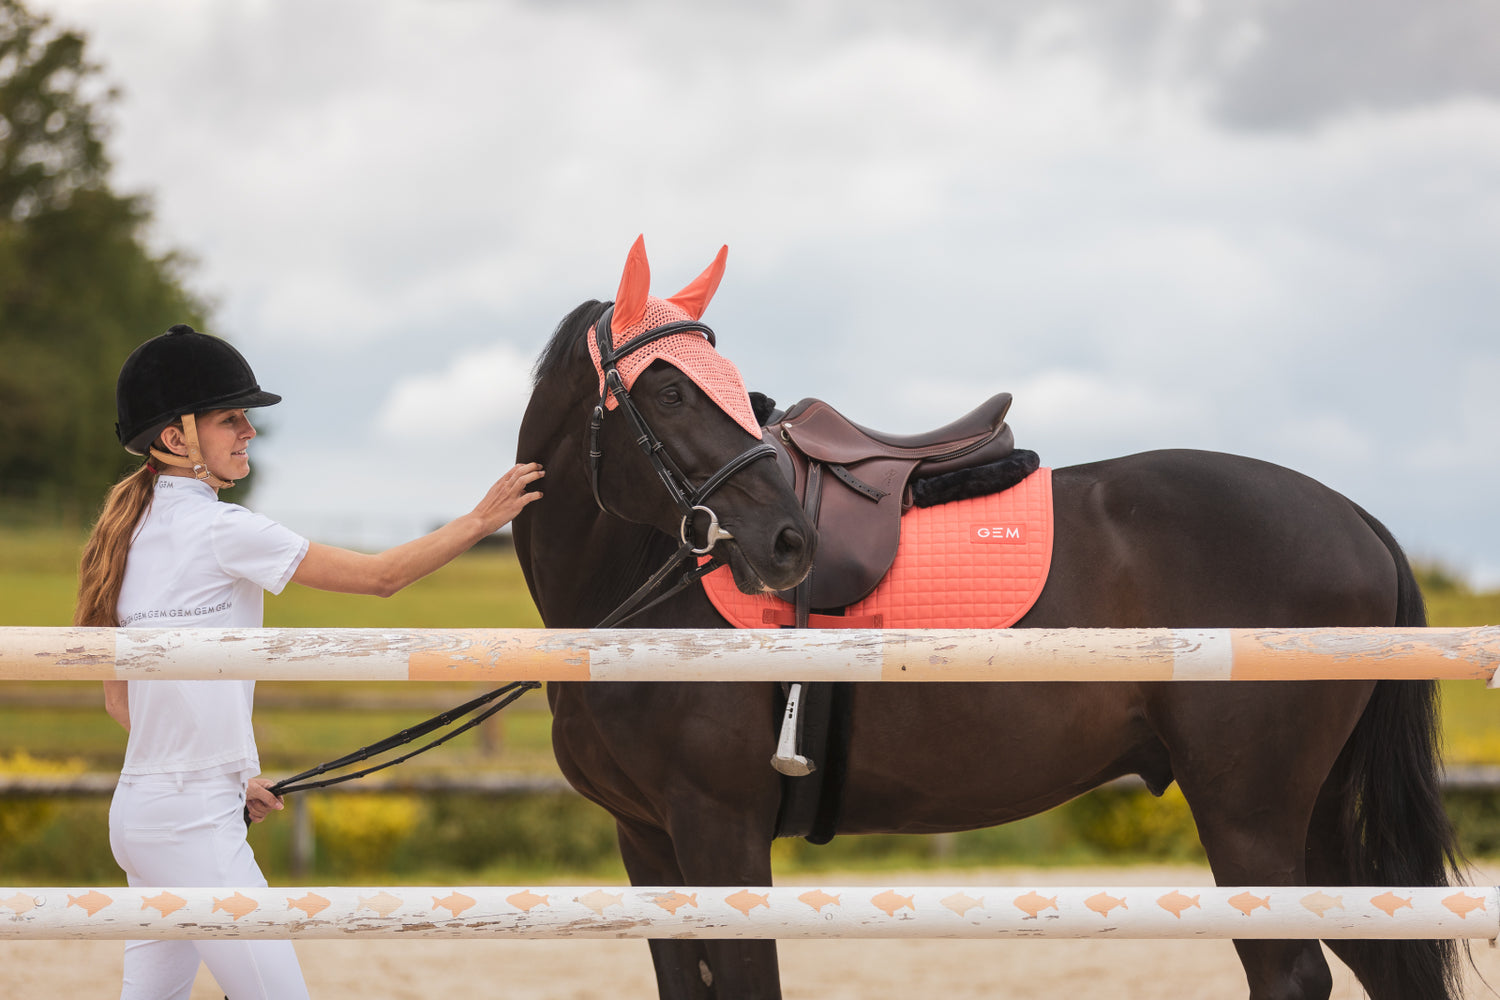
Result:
[{"x": 855, "y": 483}]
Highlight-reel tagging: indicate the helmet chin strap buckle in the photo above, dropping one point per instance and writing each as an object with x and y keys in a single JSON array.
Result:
[{"x": 194, "y": 461}]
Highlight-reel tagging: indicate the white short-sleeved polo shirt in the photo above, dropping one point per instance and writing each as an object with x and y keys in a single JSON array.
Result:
[{"x": 196, "y": 562}]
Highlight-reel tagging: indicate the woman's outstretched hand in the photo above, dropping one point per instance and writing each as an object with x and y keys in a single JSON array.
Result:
[{"x": 508, "y": 496}]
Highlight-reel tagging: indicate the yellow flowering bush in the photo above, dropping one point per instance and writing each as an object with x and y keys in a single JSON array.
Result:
[
  {"x": 359, "y": 833},
  {"x": 1128, "y": 821},
  {"x": 22, "y": 817}
]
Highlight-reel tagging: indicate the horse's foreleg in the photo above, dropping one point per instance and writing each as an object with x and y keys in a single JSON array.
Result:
[
  {"x": 681, "y": 966},
  {"x": 714, "y": 848}
]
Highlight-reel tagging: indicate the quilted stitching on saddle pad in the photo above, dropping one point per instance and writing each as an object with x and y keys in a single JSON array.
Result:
[{"x": 977, "y": 563}]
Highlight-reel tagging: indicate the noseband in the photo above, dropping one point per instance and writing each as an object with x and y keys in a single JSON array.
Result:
[{"x": 689, "y": 500}]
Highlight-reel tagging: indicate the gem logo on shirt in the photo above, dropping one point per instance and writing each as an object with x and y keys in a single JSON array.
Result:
[
  {"x": 207, "y": 609},
  {"x": 1001, "y": 533}
]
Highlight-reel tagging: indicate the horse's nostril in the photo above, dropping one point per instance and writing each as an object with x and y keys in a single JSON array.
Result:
[{"x": 790, "y": 544}]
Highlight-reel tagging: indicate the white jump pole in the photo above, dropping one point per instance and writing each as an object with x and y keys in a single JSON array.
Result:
[
  {"x": 493, "y": 655},
  {"x": 1298, "y": 912}
]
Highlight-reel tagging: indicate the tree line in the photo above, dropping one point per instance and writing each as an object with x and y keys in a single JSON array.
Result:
[{"x": 79, "y": 286}]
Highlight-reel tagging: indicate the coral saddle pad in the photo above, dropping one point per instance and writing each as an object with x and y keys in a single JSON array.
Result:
[{"x": 978, "y": 563}]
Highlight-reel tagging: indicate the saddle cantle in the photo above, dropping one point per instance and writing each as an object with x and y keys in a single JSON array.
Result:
[{"x": 854, "y": 484}]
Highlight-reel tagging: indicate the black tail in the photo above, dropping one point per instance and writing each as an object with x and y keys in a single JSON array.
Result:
[{"x": 1394, "y": 828}]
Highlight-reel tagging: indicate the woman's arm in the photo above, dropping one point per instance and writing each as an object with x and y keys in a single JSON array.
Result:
[
  {"x": 327, "y": 567},
  {"x": 117, "y": 702}
]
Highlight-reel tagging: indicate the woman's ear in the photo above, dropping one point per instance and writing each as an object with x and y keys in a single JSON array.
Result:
[{"x": 174, "y": 440}]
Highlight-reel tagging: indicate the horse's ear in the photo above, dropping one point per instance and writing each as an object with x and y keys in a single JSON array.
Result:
[
  {"x": 694, "y": 298},
  {"x": 635, "y": 286}
]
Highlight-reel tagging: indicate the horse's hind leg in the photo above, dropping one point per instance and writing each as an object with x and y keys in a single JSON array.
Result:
[
  {"x": 1285, "y": 970},
  {"x": 681, "y": 966},
  {"x": 1251, "y": 761},
  {"x": 1245, "y": 846},
  {"x": 1248, "y": 843},
  {"x": 1327, "y": 865}
]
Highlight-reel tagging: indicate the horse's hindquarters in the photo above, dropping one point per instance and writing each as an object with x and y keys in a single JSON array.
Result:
[{"x": 1191, "y": 539}]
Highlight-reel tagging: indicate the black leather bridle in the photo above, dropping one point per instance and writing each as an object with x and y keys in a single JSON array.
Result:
[{"x": 689, "y": 500}]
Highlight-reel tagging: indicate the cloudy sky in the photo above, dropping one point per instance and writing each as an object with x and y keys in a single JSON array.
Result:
[{"x": 1270, "y": 228}]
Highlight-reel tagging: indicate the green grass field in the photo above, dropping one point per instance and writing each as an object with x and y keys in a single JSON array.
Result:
[
  {"x": 62, "y": 724},
  {"x": 301, "y": 721}
]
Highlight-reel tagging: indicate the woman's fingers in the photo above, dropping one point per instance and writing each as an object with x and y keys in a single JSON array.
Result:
[
  {"x": 260, "y": 800},
  {"x": 509, "y": 494}
]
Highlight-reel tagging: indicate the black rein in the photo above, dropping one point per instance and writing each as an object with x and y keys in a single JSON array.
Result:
[
  {"x": 689, "y": 501},
  {"x": 300, "y": 782}
]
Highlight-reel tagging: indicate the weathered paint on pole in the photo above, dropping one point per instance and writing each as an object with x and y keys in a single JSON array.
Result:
[
  {"x": 870, "y": 911},
  {"x": 495, "y": 655}
]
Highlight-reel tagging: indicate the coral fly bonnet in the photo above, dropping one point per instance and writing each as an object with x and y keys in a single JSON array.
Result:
[{"x": 636, "y": 311}]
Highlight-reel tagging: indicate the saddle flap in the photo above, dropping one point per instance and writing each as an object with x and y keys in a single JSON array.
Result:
[{"x": 858, "y": 535}]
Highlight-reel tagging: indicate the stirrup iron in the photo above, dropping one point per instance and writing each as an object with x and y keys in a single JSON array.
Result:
[{"x": 787, "y": 760}]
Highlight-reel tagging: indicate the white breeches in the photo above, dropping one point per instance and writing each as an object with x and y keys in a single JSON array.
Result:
[{"x": 193, "y": 834}]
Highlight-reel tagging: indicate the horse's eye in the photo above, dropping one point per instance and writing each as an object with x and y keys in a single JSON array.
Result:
[{"x": 670, "y": 396}]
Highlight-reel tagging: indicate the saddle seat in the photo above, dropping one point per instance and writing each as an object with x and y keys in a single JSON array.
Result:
[{"x": 855, "y": 483}]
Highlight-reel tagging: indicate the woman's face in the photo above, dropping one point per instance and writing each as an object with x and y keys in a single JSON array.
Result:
[{"x": 224, "y": 436}]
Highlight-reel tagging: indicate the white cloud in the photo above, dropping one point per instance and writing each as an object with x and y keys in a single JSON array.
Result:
[
  {"x": 926, "y": 204},
  {"x": 476, "y": 395}
]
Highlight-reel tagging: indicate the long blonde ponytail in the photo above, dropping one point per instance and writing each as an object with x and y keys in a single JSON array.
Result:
[{"x": 103, "y": 568}]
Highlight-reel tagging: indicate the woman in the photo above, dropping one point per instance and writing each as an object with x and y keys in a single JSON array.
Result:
[{"x": 165, "y": 553}]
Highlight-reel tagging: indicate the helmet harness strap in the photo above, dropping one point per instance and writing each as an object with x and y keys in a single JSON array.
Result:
[{"x": 194, "y": 459}]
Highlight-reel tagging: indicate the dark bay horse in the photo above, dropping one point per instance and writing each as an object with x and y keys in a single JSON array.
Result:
[{"x": 1322, "y": 783}]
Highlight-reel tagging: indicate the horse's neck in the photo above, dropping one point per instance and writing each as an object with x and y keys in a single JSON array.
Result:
[
  {"x": 582, "y": 562},
  {"x": 615, "y": 559}
]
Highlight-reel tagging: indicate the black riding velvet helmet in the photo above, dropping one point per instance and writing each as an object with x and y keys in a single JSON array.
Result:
[{"x": 181, "y": 371}]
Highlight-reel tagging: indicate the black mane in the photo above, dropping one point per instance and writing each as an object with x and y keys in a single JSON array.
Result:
[{"x": 558, "y": 348}]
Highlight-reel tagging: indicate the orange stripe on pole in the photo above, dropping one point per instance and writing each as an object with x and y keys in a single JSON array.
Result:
[
  {"x": 64, "y": 654},
  {"x": 523, "y": 654},
  {"x": 1296, "y": 654}
]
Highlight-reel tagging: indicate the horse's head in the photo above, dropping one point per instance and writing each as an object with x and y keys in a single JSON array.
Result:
[{"x": 668, "y": 435}]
